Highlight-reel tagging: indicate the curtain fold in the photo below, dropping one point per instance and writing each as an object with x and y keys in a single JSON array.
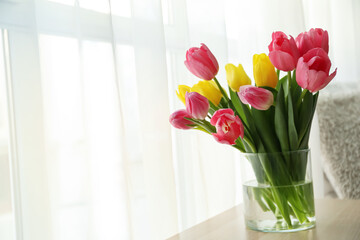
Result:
[{"x": 86, "y": 148}]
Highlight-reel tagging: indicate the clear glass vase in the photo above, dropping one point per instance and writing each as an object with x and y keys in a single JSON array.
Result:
[{"x": 278, "y": 191}]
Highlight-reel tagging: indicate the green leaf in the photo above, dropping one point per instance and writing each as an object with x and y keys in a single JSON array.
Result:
[
  {"x": 212, "y": 108},
  {"x": 252, "y": 133},
  {"x": 280, "y": 82},
  {"x": 304, "y": 143},
  {"x": 295, "y": 88},
  {"x": 203, "y": 124},
  {"x": 198, "y": 127},
  {"x": 264, "y": 121},
  {"x": 295, "y": 93},
  {"x": 236, "y": 103},
  {"x": 272, "y": 90},
  {"x": 305, "y": 112},
  {"x": 280, "y": 199},
  {"x": 293, "y": 136},
  {"x": 223, "y": 103},
  {"x": 281, "y": 128},
  {"x": 316, "y": 96},
  {"x": 259, "y": 197},
  {"x": 247, "y": 147},
  {"x": 279, "y": 195},
  {"x": 293, "y": 82},
  {"x": 239, "y": 145}
]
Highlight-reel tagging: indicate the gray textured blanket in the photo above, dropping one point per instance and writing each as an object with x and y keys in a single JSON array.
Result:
[{"x": 339, "y": 121}]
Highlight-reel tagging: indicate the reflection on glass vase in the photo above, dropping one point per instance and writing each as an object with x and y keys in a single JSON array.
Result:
[{"x": 278, "y": 193}]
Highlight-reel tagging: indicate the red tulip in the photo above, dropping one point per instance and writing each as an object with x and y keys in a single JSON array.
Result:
[
  {"x": 196, "y": 105},
  {"x": 313, "y": 69},
  {"x": 228, "y": 127},
  {"x": 283, "y": 52},
  {"x": 258, "y": 98},
  {"x": 201, "y": 62},
  {"x": 177, "y": 119},
  {"x": 315, "y": 38}
]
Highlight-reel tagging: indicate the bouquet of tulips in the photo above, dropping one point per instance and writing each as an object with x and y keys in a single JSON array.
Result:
[{"x": 274, "y": 116}]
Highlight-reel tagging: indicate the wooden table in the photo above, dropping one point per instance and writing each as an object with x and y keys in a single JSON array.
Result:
[{"x": 335, "y": 220}]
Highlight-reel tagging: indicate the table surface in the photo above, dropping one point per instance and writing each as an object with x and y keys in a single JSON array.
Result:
[{"x": 335, "y": 219}]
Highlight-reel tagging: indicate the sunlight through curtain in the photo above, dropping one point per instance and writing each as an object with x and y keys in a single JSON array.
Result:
[{"x": 86, "y": 88}]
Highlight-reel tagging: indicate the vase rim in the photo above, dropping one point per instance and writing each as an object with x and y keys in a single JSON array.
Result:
[{"x": 286, "y": 152}]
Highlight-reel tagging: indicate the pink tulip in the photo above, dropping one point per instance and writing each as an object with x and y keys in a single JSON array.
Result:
[
  {"x": 201, "y": 62},
  {"x": 315, "y": 38},
  {"x": 228, "y": 126},
  {"x": 283, "y": 52},
  {"x": 258, "y": 98},
  {"x": 196, "y": 105},
  {"x": 177, "y": 119},
  {"x": 313, "y": 69}
]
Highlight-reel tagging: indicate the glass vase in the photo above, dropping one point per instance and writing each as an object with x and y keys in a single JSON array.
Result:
[{"x": 278, "y": 191}]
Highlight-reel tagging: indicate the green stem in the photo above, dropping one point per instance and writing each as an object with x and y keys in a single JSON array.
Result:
[
  {"x": 250, "y": 143},
  {"x": 203, "y": 123},
  {"x": 238, "y": 147},
  {"x": 301, "y": 98},
  {"x": 289, "y": 80},
  {"x": 221, "y": 90}
]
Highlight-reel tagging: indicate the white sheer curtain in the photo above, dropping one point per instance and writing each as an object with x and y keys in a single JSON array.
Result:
[{"x": 86, "y": 88}]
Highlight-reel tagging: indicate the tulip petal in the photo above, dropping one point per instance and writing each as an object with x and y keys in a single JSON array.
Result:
[
  {"x": 326, "y": 81},
  {"x": 318, "y": 59},
  {"x": 313, "y": 68},
  {"x": 219, "y": 113},
  {"x": 236, "y": 76},
  {"x": 283, "y": 52},
  {"x": 219, "y": 138},
  {"x": 264, "y": 71},
  {"x": 325, "y": 42},
  {"x": 201, "y": 62},
  {"x": 283, "y": 60},
  {"x": 208, "y": 89},
  {"x": 177, "y": 119},
  {"x": 302, "y": 73},
  {"x": 258, "y": 98},
  {"x": 314, "y": 38},
  {"x": 228, "y": 127},
  {"x": 182, "y": 90},
  {"x": 303, "y": 42},
  {"x": 210, "y": 55},
  {"x": 294, "y": 49},
  {"x": 317, "y": 79},
  {"x": 196, "y": 105},
  {"x": 199, "y": 70}
]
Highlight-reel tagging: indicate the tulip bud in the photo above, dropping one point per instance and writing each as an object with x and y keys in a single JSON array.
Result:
[
  {"x": 177, "y": 119},
  {"x": 315, "y": 38},
  {"x": 258, "y": 98},
  {"x": 197, "y": 105},
  {"x": 264, "y": 71},
  {"x": 283, "y": 52},
  {"x": 208, "y": 89},
  {"x": 236, "y": 76},
  {"x": 313, "y": 69},
  {"x": 183, "y": 89},
  {"x": 201, "y": 62},
  {"x": 228, "y": 127}
]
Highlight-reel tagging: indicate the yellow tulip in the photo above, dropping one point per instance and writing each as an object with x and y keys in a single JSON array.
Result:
[
  {"x": 183, "y": 89},
  {"x": 264, "y": 71},
  {"x": 209, "y": 90},
  {"x": 236, "y": 76}
]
